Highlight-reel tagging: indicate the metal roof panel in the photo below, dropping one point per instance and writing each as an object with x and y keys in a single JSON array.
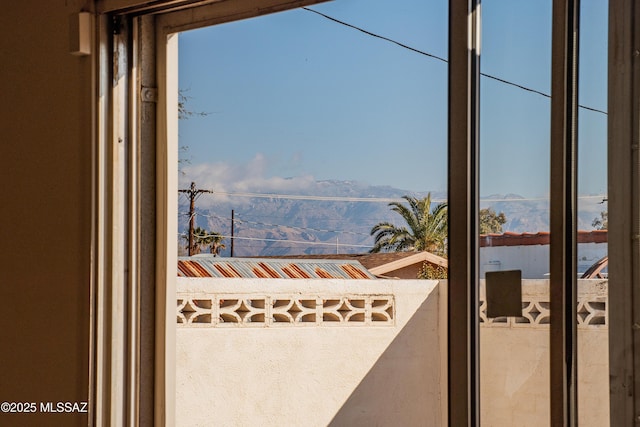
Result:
[{"x": 260, "y": 268}]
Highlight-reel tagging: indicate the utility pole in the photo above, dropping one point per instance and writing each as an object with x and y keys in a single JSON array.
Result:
[
  {"x": 193, "y": 194},
  {"x": 232, "y": 219}
]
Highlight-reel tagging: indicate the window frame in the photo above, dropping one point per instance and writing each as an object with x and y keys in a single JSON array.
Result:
[{"x": 133, "y": 323}]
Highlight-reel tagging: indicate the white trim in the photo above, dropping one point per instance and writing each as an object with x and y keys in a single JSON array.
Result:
[
  {"x": 166, "y": 224},
  {"x": 112, "y": 232}
]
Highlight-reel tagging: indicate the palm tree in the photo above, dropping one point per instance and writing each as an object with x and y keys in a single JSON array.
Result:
[
  {"x": 216, "y": 243},
  {"x": 202, "y": 237},
  {"x": 426, "y": 228}
]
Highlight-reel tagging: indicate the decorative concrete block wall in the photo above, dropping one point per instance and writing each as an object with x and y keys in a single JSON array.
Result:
[
  {"x": 368, "y": 352},
  {"x": 308, "y": 352}
]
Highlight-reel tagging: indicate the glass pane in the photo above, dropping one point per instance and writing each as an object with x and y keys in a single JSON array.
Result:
[
  {"x": 593, "y": 339},
  {"x": 514, "y": 216},
  {"x": 299, "y": 131},
  {"x": 313, "y": 115}
]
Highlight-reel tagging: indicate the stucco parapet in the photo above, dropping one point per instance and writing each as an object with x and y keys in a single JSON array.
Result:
[
  {"x": 592, "y": 307},
  {"x": 281, "y": 303}
]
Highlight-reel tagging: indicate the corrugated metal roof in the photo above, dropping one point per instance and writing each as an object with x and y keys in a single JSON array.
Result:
[
  {"x": 368, "y": 260},
  {"x": 379, "y": 263},
  {"x": 262, "y": 268}
]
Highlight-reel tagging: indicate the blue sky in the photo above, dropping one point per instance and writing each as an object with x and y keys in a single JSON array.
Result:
[{"x": 294, "y": 95}]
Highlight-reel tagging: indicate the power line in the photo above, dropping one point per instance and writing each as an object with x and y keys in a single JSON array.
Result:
[
  {"x": 439, "y": 58},
  {"x": 362, "y": 30},
  {"x": 244, "y": 221},
  {"x": 536, "y": 199},
  {"x": 341, "y": 220},
  {"x": 286, "y": 217},
  {"x": 313, "y": 198},
  {"x": 264, "y": 239},
  {"x": 372, "y": 199},
  {"x": 192, "y": 215}
]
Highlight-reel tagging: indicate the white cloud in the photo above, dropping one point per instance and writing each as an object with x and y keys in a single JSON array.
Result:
[{"x": 256, "y": 176}]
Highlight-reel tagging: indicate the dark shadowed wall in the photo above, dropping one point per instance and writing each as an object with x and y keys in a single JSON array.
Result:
[{"x": 45, "y": 218}]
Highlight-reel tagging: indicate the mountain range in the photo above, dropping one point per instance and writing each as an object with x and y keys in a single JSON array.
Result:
[{"x": 278, "y": 225}]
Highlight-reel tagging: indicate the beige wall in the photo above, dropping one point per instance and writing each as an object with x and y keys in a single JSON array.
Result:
[
  {"x": 45, "y": 159},
  {"x": 307, "y": 374},
  {"x": 514, "y": 360},
  {"x": 352, "y": 375},
  {"x": 515, "y": 377}
]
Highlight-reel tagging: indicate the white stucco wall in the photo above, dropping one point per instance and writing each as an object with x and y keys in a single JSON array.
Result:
[
  {"x": 533, "y": 260},
  {"x": 313, "y": 375},
  {"x": 318, "y": 374},
  {"x": 514, "y": 360}
]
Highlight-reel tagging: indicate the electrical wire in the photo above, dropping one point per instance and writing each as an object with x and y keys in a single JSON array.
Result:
[
  {"x": 367, "y": 199},
  {"x": 439, "y": 58},
  {"x": 369, "y": 33},
  {"x": 374, "y": 199},
  {"x": 264, "y": 239},
  {"x": 242, "y": 221},
  {"x": 312, "y": 198},
  {"x": 239, "y": 220}
]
